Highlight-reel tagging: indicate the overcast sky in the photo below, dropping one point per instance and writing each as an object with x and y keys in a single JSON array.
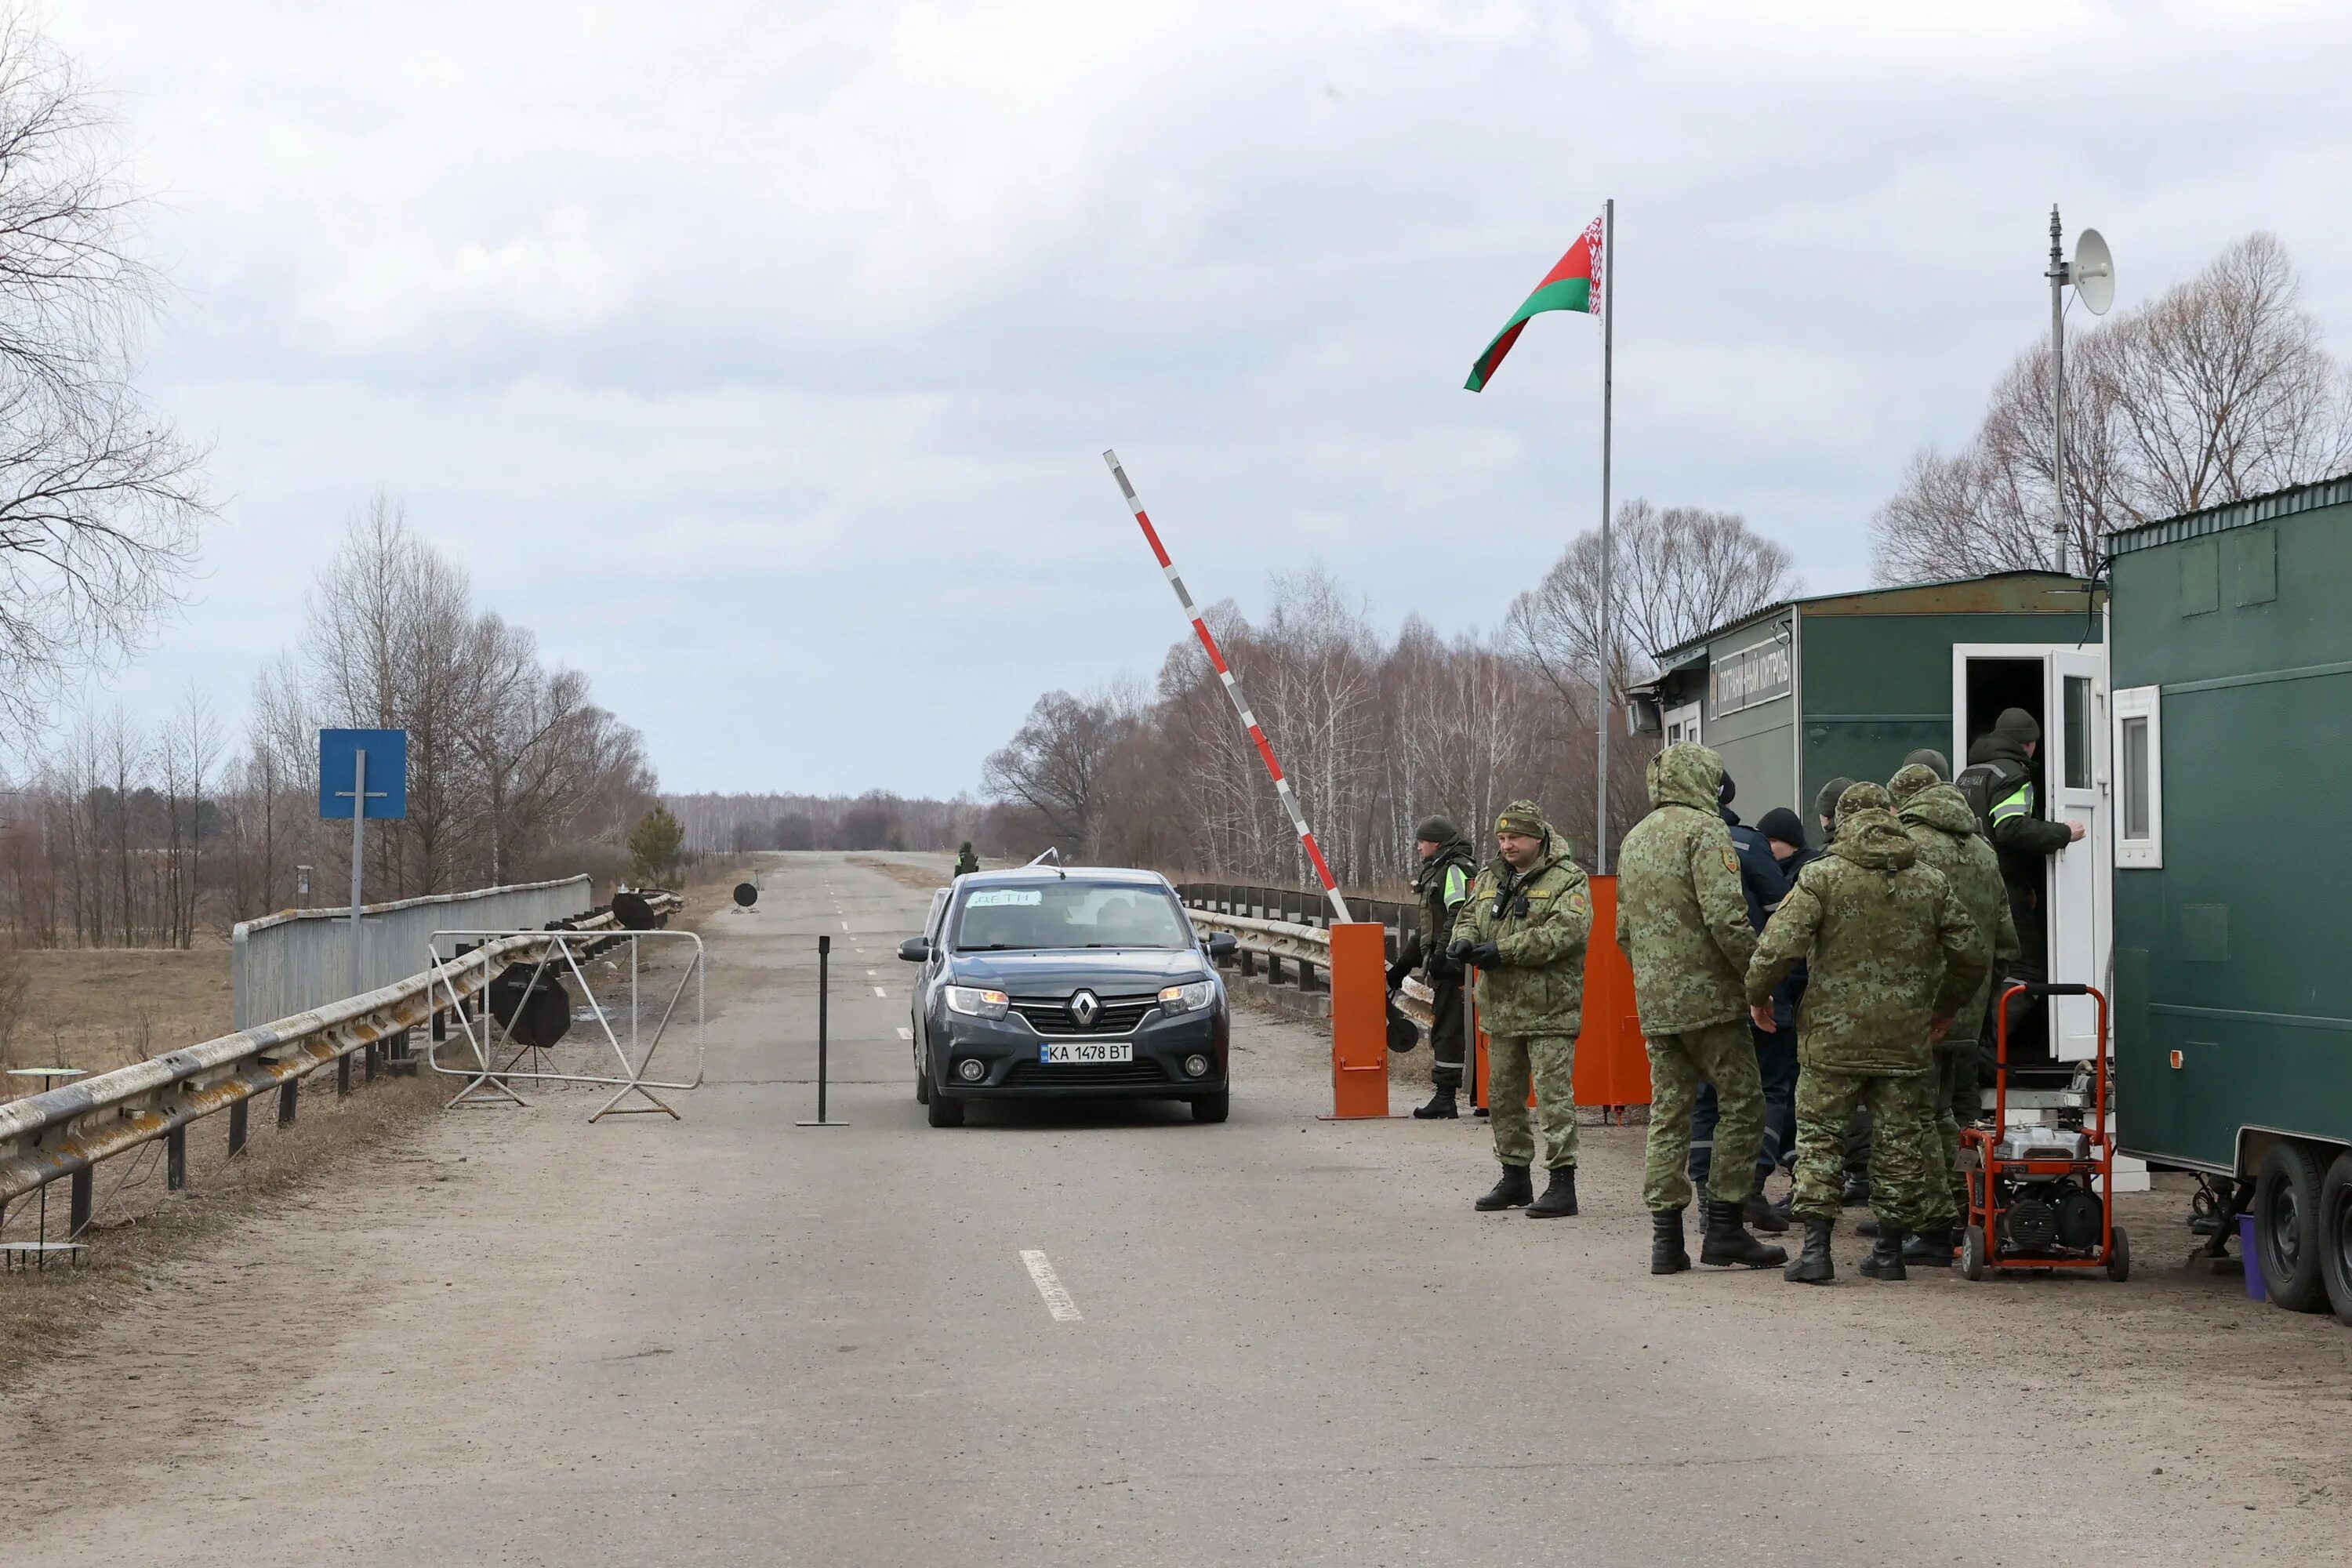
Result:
[{"x": 760, "y": 355}]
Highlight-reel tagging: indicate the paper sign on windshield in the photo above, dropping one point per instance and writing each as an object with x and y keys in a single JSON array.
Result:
[{"x": 995, "y": 896}]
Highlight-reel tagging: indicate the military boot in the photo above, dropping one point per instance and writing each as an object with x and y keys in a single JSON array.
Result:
[
  {"x": 1886, "y": 1260},
  {"x": 1440, "y": 1107},
  {"x": 1813, "y": 1265},
  {"x": 1559, "y": 1200},
  {"x": 1762, "y": 1216},
  {"x": 1931, "y": 1249},
  {"x": 1514, "y": 1191},
  {"x": 1728, "y": 1245},
  {"x": 1666, "y": 1253}
]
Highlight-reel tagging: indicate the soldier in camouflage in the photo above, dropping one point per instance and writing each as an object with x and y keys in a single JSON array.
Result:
[
  {"x": 1893, "y": 957},
  {"x": 1443, "y": 884},
  {"x": 1942, "y": 826},
  {"x": 1523, "y": 930},
  {"x": 1682, "y": 918}
]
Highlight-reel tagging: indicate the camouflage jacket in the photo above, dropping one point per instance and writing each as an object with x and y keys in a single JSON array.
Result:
[
  {"x": 1890, "y": 946},
  {"x": 1682, "y": 914},
  {"x": 1540, "y": 918},
  {"x": 1444, "y": 884},
  {"x": 1944, "y": 829}
]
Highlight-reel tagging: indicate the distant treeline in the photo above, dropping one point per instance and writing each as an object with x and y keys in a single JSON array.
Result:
[{"x": 723, "y": 824}]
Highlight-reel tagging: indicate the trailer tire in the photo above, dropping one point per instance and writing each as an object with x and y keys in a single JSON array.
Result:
[
  {"x": 1973, "y": 1251},
  {"x": 2287, "y": 1227},
  {"x": 2335, "y": 1234}
]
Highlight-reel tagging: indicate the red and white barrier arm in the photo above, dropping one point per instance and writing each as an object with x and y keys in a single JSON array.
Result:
[{"x": 1232, "y": 691}]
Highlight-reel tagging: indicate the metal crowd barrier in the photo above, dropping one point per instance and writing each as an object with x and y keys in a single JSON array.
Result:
[{"x": 69, "y": 1131}]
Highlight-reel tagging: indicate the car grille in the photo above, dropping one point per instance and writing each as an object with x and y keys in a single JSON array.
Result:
[
  {"x": 1051, "y": 1015},
  {"x": 1089, "y": 1075}
]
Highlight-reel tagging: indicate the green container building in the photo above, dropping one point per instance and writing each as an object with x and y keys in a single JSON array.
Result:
[{"x": 2232, "y": 710}]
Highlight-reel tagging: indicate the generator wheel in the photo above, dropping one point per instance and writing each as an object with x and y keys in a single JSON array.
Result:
[
  {"x": 2336, "y": 1234},
  {"x": 2119, "y": 1257},
  {"x": 2287, "y": 1227},
  {"x": 1974, "y": 1251}
]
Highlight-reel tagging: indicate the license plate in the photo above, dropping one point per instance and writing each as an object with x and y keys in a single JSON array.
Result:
[{"x": 1080, "y": 1053}]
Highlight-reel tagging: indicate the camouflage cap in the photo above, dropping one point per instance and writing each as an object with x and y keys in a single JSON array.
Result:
[
  {"x": 1910, "y": 779},
  {"x": 1524, "y": 817},
  {"x": 1863, "y": 797},
  {"x": 1927, "y": 757}
]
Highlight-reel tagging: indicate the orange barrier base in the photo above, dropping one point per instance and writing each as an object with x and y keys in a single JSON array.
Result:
[
  {"x": 1359, "y": 1021},
  {"x": 1613, "y": 1064}
]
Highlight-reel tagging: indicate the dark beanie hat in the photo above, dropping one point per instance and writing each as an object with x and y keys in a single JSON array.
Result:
[
  {"x": 1825, "y": 803},
  {"x": 1437, "y": 830},
  {"x": 1726, "y": 791},
  {"x": 1929, "y": 758},
  {"x": 2016, "y": 725},
  {"x": 1780, "y": 823}
]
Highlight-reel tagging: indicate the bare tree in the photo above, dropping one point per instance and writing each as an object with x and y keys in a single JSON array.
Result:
[
  {"x": 100, "y": 502},
  {"x": 1053, "y": 763},
  {"x": 2219, "y": 389}
]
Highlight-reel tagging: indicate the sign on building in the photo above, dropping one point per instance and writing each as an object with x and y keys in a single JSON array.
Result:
[{"x": 1749, "y": 675}]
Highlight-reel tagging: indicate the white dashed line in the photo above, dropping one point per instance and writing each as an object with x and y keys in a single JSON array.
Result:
[
  {"x": 904, "y": 1033},
  {"x": 844, "y": 925},
  {"x": 879, "y": 992},
  {"x": 872, "y": 973},
  {"x": 1049, "y": 1284}
]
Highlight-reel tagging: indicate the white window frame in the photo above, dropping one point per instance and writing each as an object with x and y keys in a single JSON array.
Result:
[
  {"x": 1690, "y": 714},
  {"x": 2139, "y": 702}
]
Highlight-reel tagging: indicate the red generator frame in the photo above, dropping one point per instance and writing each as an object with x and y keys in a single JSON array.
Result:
[{"x": 1982, "y": 1248}]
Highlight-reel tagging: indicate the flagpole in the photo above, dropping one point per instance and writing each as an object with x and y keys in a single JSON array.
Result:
[{"x": 1600, "y": 691}]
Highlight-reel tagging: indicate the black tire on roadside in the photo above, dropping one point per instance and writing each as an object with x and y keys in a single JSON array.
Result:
[
  {"x": 2335, "y": 1234},
  {"x": 1212, "y": 1107},
  {"x": 944, "y": 1111},
  {"x": 2287, "y": 1227},
  {"x": 2119, "y": 1257}
]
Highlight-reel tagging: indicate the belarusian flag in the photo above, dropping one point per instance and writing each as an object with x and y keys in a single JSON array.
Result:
[{"x": 1572, "y": 284}]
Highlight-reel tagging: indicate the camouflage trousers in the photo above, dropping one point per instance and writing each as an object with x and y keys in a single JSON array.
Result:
[
  {"x": 1725, "y": 1056},
  {"x": 1549, "y": 1060},
  {"x": 1958, "y": 1103},
  {"x": 1906, "y": 1185}
]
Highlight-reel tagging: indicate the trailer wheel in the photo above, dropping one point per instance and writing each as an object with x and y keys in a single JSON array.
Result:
[
  {"x": 2287, "y": 1227},
  {"x": 2119, "y": 1257},
  {"x": 2336, "y": 1234},
  {"x": 1973, "y": 1251}
]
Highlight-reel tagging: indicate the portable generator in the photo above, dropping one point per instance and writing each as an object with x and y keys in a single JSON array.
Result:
[{"x": 2041, "y": 1196}]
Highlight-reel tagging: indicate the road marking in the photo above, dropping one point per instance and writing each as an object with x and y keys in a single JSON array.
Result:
[
  {"x": 872, "y": 973},
  {"x": 904, "y": 1033},
  {"x": 1049, "y": 1284},
  {"x": 844, "y": 925},
  {"x": 879, "y": 992}
]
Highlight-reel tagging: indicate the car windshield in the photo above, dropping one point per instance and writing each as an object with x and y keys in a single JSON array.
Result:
[{"x": 1060, "y": 914}]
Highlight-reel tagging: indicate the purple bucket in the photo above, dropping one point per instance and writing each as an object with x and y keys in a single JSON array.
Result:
[{"x": 2253, "y": 1258}]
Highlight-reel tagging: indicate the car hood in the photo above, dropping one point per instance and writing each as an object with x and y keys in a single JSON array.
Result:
[{"x": 1108, "y": 971}]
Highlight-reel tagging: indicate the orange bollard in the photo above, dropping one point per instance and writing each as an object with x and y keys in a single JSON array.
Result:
[
  {"x": 1359, "y": 1021},
  {"x": 1612, "y": 1064}
]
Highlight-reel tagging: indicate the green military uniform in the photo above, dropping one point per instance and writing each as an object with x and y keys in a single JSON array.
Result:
[
  {"x": 1681, "y": 919},
  {"x": 1442, "y": 886},
  {"x": 1531, "y": 1000},
  {"x": 1889, "y": 948},
  {"x": 1944, "y": 828}
]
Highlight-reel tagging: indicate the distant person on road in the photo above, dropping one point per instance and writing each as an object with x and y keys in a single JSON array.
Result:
[
  {"x": 1893, "y": 957},
  {"x": 1682, "y": 919},
  {"x": 1941, "y": 823},
  {"x": 966, "y": 861},
  {"x": 1524, "y": 929},
  {"x": 1443, "y": 885}
]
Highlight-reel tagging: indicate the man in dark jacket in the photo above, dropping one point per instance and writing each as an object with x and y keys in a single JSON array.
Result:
[
  {"x": 966, "y": 861},
  {"x": 1443, "y": 884},
  {"x": 2010, "y": 790}
]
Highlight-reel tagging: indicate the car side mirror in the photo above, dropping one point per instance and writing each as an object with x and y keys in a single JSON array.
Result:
[
  {"x": 915, "y": 949},
  {"x": 1223, "y": 944}
]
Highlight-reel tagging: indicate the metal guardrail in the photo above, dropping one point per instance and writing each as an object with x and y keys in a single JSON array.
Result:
[
  {"x": 67, "y": 1131},
  {"x": 292, "y": 962},
  {"x": 1304, "y": 942}
]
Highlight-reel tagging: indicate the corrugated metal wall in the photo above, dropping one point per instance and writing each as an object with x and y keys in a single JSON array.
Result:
[{"x": 289, "y": 963}]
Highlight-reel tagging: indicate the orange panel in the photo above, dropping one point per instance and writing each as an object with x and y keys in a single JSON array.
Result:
[
  {"x": 1360, "y": 1020},
  {"x": 1613, "y": 1065}
]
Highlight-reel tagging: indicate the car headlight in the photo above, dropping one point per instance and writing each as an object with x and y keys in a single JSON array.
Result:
[
  {"x": 1187, "y": 998},
  {"x": 974, "y": 1003}
]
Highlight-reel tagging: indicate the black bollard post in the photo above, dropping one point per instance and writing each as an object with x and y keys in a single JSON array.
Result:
[{"x": 824, "y": 988}]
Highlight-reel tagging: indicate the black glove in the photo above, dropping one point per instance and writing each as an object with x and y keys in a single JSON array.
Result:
[
  {"x": 1457, "y": 951},
  {"x": 1484, "y": 955},
  {"x": 1397, "y": 972}
]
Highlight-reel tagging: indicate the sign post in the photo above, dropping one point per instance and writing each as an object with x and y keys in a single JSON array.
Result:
[{"x": 380, "y": 791}]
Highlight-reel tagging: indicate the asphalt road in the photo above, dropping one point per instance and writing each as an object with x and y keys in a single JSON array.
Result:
[{"x": 1112, "y": 1337}]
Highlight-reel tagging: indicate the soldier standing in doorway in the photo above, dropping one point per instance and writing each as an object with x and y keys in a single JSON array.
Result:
[
  {"x": 1523, "y": 930},
  {"x": 1443, "y": 885}
]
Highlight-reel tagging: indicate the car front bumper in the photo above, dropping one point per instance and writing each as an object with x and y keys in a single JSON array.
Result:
[{"x": 1013, "y": 1069}]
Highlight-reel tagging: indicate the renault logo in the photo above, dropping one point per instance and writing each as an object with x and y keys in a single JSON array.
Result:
[{"x": 1084, "y": 1006}]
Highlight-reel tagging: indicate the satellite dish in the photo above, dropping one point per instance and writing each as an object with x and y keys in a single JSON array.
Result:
[{"x": 2094, "y": 273}]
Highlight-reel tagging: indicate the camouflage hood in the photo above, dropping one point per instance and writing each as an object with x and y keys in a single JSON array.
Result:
[
  {"x": 1873, "y": 837},
  {"x": 1685, "y": 774},
  {"x": 1942, "y": 807}
]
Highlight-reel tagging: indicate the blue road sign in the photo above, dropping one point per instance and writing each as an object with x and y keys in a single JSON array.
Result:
[{"x": 387, "y": 770}]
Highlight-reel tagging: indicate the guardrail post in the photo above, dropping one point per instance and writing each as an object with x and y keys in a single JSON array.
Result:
[
  {"x": 344, "y": 1072},
  {"x": 290, "y": 1097},
  {"x": 84, "y": 1185},
  {"x": 175, "y": 1159},
  {"x": 236, "y": 1119}
]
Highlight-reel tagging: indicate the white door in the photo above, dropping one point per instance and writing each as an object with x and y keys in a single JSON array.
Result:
[
  {"x": 2076, "y": 771},
  {"x": 1682, "y": 723}
]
